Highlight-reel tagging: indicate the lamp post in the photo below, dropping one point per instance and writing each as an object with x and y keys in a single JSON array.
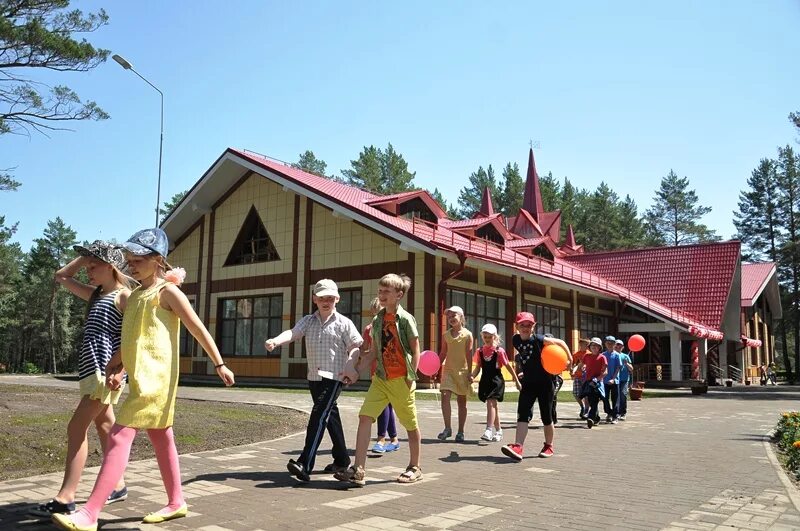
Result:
[{"x": 128, "y": 66}]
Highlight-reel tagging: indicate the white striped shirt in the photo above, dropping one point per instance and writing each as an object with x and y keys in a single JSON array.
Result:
[
  {"x": 327, "y": 344},
  {"x": 101, "y": 335}
]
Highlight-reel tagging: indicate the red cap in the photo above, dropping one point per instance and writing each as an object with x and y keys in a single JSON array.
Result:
[{"x": 523, "y": 317}]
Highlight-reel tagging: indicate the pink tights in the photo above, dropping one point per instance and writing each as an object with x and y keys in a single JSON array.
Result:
[{"x": 116, "y": 459}]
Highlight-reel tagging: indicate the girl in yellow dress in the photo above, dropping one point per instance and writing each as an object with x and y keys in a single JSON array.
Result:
[
  {"x": 149, "y": 355},
  {"x": 456, "y": 368}
]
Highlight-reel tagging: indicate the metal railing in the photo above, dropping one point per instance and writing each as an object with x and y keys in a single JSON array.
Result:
[
  {"x": 489, "y": 250},
  {"x": 734, "y": 373}
]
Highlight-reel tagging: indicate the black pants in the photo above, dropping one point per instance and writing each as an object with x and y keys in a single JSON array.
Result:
[
  {"x": 543, "y": 391},
  {"x": 610, "y": 400},
  {"x": 590, "y": 391},
  {"x": 325, "y": 413}
]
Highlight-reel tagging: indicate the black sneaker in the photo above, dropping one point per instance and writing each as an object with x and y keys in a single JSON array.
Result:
[
  {"x": 117, "y": 496},
  {"x": 298, "y": 470},
  {"x": 53, "y": 507},
  {"x": 334, "y": 468},
  {"x": 589, "y": 423}
]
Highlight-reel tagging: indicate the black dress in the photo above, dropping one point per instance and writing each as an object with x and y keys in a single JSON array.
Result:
[{"x": 492, "y": 384}]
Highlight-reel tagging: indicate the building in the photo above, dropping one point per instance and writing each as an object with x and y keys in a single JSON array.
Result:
[{"x": 255, "y": 234}]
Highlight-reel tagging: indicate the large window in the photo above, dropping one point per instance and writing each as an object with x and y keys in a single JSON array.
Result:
[
  {"x": 245, "y": 324},
  {"x": 253, "y": 244},
  {"x": 479, "y": 309},
  {"x": 549, "y": 320},
  {"x": 594, "y": 325},
  {"x": 349, "y": 305}
]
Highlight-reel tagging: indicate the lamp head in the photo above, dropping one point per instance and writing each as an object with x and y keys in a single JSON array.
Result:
[{"x": 122, "y": 61}]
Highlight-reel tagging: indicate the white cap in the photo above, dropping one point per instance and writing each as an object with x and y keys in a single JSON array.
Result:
[
  {"x": 455, "y": 309},
  {"x": 489, "y": 328},
  {"x": 596, "y": 341}
]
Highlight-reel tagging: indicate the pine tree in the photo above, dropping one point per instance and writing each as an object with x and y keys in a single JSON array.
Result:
[
  {"x": 380, "y": 172},
  {"x": 509, "y": 200},
  {"x": 602, "y": 219},
  {"x": 550, "y": 190},
  {"x": 630, "y": 229},
  {"x": 675, "y": 214},
  {"x": 788, "y": 173},
  {"x": 308, "y": 162},
  {"x": 756, "y": 220},
  {"x": 469, "y": 199},
  {"x": 170, "y": 205}
]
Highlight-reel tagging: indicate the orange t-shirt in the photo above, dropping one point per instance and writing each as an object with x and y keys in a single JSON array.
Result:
[{"x": 394, "y": 359}]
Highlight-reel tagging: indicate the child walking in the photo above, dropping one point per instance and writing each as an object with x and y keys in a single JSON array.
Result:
[
  {"x": 149, "y": 355},
  {"x": 489, "y": 361},
  {"x": 537, "y": 384},
  {"x": 107, "y": 294},
  {"x": 395, "y": 342},
  {"x": 456, "y": 357},
  {"x": 387, "y": 425},
  {"x": 334, "y": 341}
]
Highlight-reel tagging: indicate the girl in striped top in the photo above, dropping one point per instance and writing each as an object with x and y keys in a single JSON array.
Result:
[{"x": 107, "y": 292}]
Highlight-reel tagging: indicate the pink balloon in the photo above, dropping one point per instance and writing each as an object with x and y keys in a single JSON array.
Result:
[{"x": 429, "y": 363}]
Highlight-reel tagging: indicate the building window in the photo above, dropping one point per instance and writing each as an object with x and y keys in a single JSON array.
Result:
[
  {"x": 549, "y": 320},
  {"x": 416, "y": 208},
  {"x": 594, "y": 325},
  {"x": 187, "y": 343},
  {"x": 488, "y": 232},
  {"x": 479, "y": 310},
  {"x": 253, "y": 244},
  {"x": 245, "y": 324}
]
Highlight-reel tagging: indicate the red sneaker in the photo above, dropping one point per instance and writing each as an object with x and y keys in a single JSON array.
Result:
[
  {"x": 547, "y": 450},
  {"x": 514, "y": 451}
]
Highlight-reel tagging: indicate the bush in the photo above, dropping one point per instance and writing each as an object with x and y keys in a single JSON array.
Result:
[
  {"x": 31, "y": 368},
  {"x": 787, "y": 437}
]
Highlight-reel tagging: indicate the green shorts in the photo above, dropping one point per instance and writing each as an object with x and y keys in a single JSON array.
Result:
[{"x": 395, "y": 392}]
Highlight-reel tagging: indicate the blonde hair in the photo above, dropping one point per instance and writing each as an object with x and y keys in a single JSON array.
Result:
[
  {"x": 460, "y": 315},
  {"x": 375, "y": 305},
  {"x": 401, "y": 282}
]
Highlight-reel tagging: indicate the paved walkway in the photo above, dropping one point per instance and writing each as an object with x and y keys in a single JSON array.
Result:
[{"x": 679, "y": 462}]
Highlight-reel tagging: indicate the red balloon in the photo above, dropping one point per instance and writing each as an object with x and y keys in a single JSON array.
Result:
[
  {"x": 429, "y": 363},
  {"x": 636, "y": 343},
  {"x": 554, "y": 359}
]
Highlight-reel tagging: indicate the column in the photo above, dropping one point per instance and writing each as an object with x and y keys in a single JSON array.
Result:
[
  {"x": 702, "y": 347},
  {"x": 675, "y": 354}
]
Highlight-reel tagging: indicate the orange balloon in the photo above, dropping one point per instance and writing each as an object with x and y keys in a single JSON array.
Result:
[
  {"x": 554, "y": 359},
  {"x": 636, "y": 343}
]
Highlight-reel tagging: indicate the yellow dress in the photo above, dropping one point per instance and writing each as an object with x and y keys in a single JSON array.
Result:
[
  {"x": 150, "y": 355},
  {"x": 455, "y": 372}
]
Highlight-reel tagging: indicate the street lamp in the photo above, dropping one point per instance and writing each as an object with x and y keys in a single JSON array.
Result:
[{"x": 127, "y": 66}]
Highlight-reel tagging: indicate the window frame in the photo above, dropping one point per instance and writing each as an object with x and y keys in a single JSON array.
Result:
[
  {"x": 541, "y": 327},
  {"x": 255, "y": 351}
]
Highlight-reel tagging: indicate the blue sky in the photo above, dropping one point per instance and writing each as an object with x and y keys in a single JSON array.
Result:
[{"x": 619, "y": 92}]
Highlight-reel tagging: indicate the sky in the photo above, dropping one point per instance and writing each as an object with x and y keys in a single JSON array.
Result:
[{"x": 620, "y": 92}]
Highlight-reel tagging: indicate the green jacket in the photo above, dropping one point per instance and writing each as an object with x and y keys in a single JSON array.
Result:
[{"x": 406, "y": 329}]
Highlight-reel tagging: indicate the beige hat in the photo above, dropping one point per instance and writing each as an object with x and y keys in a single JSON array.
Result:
[
  {"x": 455, "y": 309},
  {"x": 326, "y": 288}
]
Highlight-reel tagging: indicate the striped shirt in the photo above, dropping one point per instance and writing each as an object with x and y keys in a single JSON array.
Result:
[
  {"x": 327, "y": 344},
  {"x": 101, "y": 336}
]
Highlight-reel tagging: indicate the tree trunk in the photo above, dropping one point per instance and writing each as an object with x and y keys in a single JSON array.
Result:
[{"x": 785, "y": 349}]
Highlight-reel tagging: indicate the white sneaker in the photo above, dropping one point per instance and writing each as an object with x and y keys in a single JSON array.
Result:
[
  {"x": 498, "y": 435},
  {"x": 487, "y": 435}
]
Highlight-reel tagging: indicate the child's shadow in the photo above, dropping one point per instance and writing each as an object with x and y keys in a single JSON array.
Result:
[
  {"x": 455, "y": 457},
  {"x": 464, "y": 443},
  {"x": 267, "y": 480}
]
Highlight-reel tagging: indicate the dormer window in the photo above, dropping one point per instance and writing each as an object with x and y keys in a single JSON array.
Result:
[{"x": 416, "y": 208}]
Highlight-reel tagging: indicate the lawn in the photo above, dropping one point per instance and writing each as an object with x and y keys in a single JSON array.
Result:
[{"x": 34, "y": 422}]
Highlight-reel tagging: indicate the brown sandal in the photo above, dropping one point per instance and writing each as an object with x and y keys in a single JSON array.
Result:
[{"x": 412, "y": 474}]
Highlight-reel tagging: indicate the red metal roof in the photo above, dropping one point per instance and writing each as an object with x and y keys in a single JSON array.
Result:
[
  {"x": 754, "y": 280},
  {"x": 693, "y": 279},
  {"x": 442, "y": 237}
]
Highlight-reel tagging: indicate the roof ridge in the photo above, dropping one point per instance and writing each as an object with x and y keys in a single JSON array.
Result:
[{"x": 658, "y": 247}]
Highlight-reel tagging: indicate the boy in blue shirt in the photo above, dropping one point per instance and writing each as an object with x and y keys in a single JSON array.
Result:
[
  {"x": 625, "y": 371},
  {"x": 610, "y": 380}
]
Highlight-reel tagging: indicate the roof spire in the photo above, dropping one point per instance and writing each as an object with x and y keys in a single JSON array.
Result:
[
  {"x": 486, "y": 209},
  {"x": 570, "y": 238},
  {"x": 532, "y": 200}
]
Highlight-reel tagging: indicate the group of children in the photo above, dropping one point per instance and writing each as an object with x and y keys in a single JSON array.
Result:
[
  {"x": 601, "y": 376},
  {"x": 131, "y": 334}
]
